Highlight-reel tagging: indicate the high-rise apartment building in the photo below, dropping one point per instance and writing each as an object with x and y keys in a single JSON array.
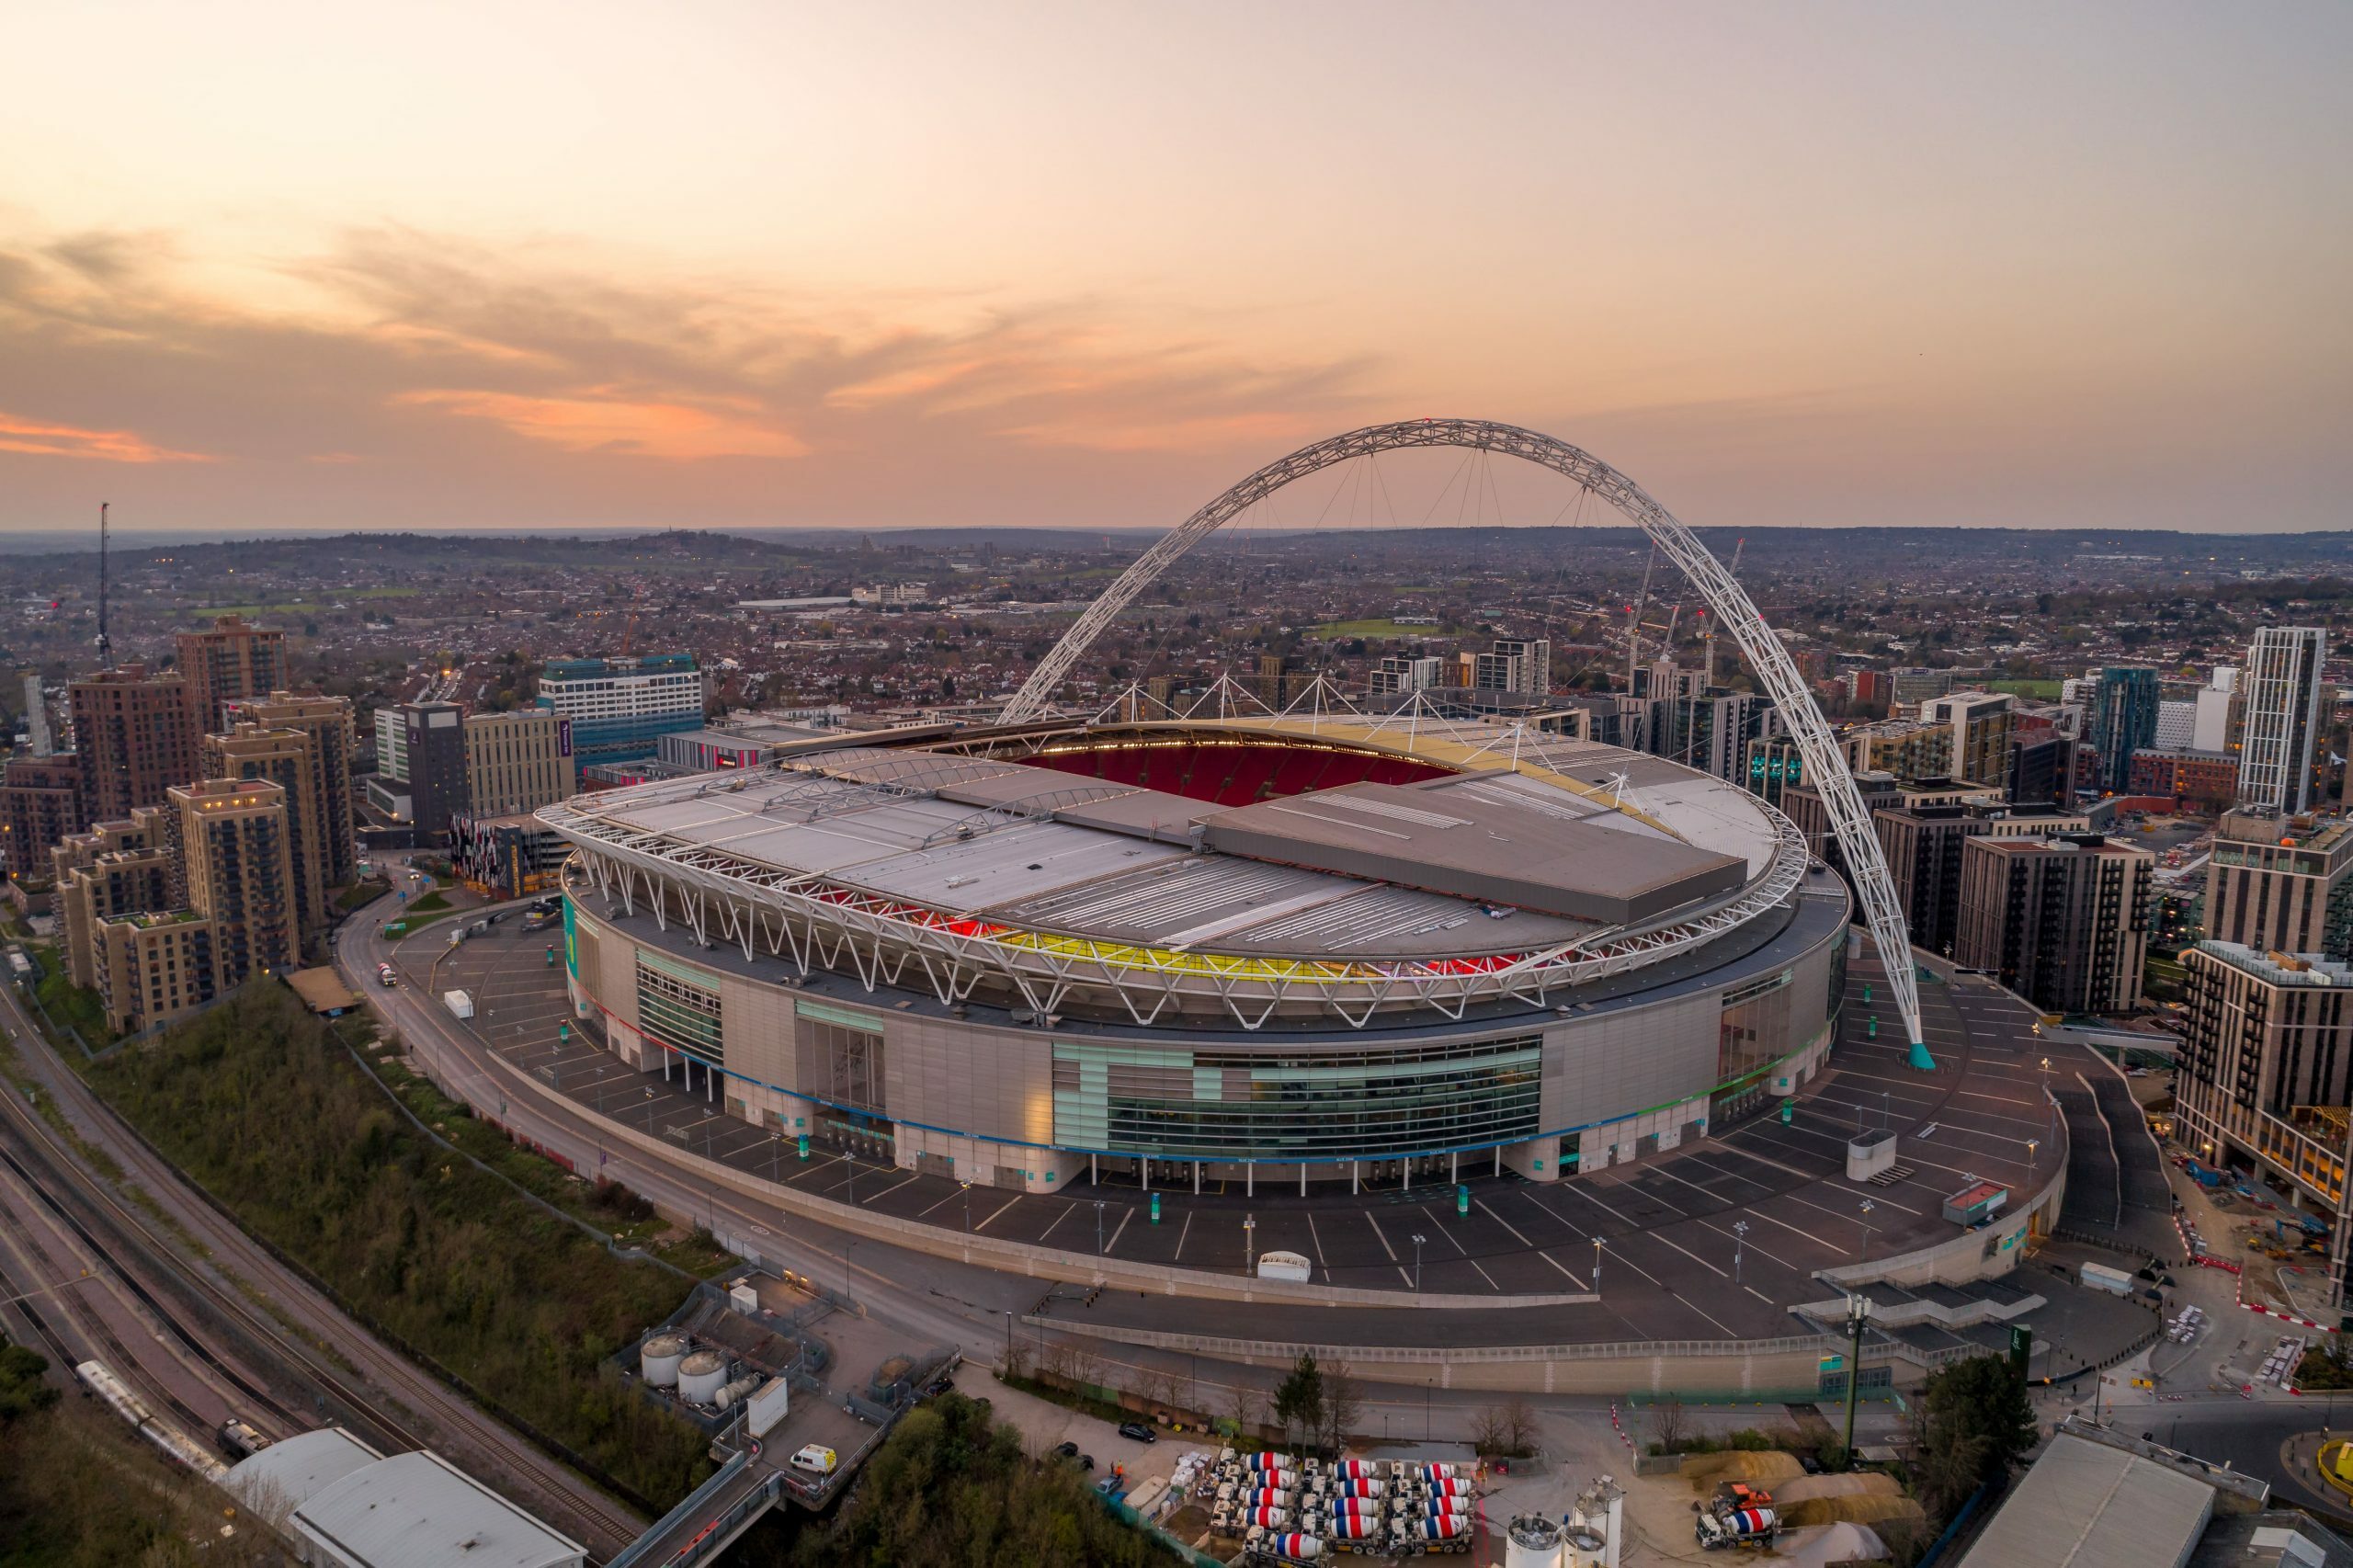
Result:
[
  {"x": 1908, "y": 748},
  {"x": 1915, "y": 685},
  {"x": 2266, "y": 1071},
  {"x": 37, "y": 737},
  {"x": 182, "y": 902},
  {"x": 1979, "y": 725},
  {"x": 285, "y": 758},
  {"x": 621, "y": 707},
  {"x": 1515, "y": 665},
  {"x": 232, "y": 660},
  {"x": 2283, "y": 884},
  {"x": 116, "y": 868},
  {"x": 40, "y": 803},
  {"x": 2064, "y": 922},
  {"x": 134, "y": 736},
  {"x": 328, "y": 722},
  {"x": 433, "y": 763},
  {"x": 2123, "y": 720},
  {"x": 2177, "y": 725},
  {"x": 516, "y": 763},
  {"x": 1774, "y": 764},
  {"x": 1399, "y": 674},
  {"x": 2215, "y": 722},
  {"x": 237, "y": 864},
  {"x": 2041, "y": 771},
  {"x": 2286, "y": 712}
]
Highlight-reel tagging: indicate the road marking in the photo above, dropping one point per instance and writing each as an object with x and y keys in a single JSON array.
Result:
[
  {"x": 995, "y": 1213},
  {"x": 1662, "y": 1236},
  {"x": 1057, "y": 1219},
  {"x": 1481, "y": 1204},
  {"x": 1384, "y": 1240},
  {"x": 1181, "y": 1234},
  {"x": 1318, "y": 1240},
  {"x": 942, "y": 1199},
  {"x": 1126, "y": 1214}
]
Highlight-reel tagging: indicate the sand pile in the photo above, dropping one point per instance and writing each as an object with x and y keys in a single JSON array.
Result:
[
  {"x": 1862, "y": 1484},
  {"x": 1835, "y": 1543},
  {"x": 1763, "y": 1467},
  {"x": 1862, "y": 1509}
]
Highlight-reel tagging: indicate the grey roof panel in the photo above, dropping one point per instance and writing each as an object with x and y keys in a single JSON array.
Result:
[{"x": 2084, "y": 1505}]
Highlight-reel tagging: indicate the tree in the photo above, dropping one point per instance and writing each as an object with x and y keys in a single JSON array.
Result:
[
  {"x": 1248, "y": 1407},
  {"x": 1509, "y": 1430},
  {"x": 1342, "y": 1405},
  {"x": 1299, "y": 1399},
  {"x": 1972, "y": 1423},
  {"x": 1669, "y": 1425}
]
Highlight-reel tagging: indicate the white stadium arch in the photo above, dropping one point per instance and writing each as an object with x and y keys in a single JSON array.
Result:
[{"x": 1730, "y": 604}]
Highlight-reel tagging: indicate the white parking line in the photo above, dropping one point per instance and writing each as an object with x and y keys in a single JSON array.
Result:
[{"x": 1384, "y": 1240}]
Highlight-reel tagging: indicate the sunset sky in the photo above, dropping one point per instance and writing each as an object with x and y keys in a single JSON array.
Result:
[{"x": 736, "y": 265}]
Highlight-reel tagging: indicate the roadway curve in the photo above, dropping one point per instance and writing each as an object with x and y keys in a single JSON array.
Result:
[{"x": 232, "y": 1320}]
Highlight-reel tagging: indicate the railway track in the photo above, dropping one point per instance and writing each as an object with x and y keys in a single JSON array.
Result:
[
  {"x": 394, "y": 1428},
  {"x": 100, "y": 1335}
]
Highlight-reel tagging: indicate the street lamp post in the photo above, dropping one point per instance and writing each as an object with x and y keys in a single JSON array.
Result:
[
  {"x": 1249, "y": 1253},
  {"x": 1739, "y": 1238},
  {"x": 776, "y": 1154},
  {"x": 1858, "y": 1312},
  {"x": 968, "y": 1206},
  {"x": 1868, "y": 1207},
  {"x": 1596, "y": 1266},
  {"x": 1417, "y": 1264},
  {"x": 1098, "y": 1227}
]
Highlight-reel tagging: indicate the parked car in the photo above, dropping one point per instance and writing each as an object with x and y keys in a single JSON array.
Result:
[
  {"x": 1137, "y": 1431},
  {"x": 1066, "y": 1450}
]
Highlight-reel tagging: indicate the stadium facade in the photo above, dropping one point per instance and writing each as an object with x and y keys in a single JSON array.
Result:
[{"x": 1267, "y": 950}]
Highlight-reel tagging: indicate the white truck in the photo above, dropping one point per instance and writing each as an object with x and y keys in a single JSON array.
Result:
[
  {"x": 2099, "y": 1277},
  {"x": 461, "y": 1004},
  {"x": 1284, "y": 1265}
]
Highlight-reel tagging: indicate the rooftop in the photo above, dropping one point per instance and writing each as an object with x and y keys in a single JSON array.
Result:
[
  {"x": 413, "y": 1508},
  {"x": 1449, "y": 864},
  {"x": 2304, "y": 969},
  {"x": 2086, "y": 1505}
]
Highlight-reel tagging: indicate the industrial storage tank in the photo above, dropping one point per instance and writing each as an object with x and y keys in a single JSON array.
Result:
[
  {"x": 1531, "y": 1540},
  {"x": 658, "y": 1362},
  {"x": 1585, "y": 1548},
  {"x": 701, "y": 1376},
  {"x": 740, "y": 1390}
]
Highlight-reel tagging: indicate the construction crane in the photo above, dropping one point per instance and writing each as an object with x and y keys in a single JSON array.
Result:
[
  {"x": 105, "y": 643},
  {"x": 1733, "y": 570}
]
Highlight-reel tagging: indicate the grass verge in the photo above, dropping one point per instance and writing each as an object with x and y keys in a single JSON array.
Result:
[{"x": 256, "y": 1104}]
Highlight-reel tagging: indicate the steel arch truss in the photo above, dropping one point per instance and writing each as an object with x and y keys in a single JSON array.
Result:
[{"x": 1730, "y": 604}]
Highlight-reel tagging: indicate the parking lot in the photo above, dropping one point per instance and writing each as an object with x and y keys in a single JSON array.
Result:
[{"x": 1670, "y": 1263}]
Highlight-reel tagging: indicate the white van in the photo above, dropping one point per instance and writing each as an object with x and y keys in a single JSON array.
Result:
[{"x": 816, "y": 1458}]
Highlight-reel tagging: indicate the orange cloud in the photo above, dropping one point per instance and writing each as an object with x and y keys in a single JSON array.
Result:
[
  {"x": 21, "y": 435},
  {"x": 669, "y": 430},
  {"x": 1210, "y": 432}
]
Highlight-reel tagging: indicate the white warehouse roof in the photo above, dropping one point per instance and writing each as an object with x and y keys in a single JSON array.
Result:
[
  {"x": 354, "y": 1509},
  {"x": 2084, "y": 1505}
]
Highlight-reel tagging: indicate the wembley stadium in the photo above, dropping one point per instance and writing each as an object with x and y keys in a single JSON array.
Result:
[{"x": 1263, "y": 950}]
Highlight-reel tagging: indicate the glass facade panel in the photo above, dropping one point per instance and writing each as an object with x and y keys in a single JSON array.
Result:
[
  {"x": 679, "y": 1013},
  {"x": 1300, "y": 1105}
]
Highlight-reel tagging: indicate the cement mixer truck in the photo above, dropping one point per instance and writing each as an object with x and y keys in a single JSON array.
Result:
[
  {"x": 1721, "y": 1528},
  {"x": 1266, "y": 1547},
  {"x": 1430, "y": 1535}
]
